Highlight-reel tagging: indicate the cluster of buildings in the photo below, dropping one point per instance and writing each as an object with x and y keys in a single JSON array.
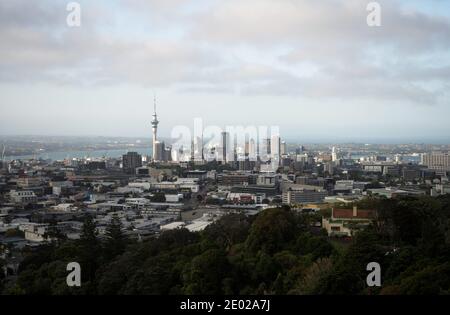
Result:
[
  {"x": 37, "y": 195},
  {"x": 151, "y": 194}
]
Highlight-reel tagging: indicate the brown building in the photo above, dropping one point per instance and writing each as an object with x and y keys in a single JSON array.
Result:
[{"x": 345, "y": 222}]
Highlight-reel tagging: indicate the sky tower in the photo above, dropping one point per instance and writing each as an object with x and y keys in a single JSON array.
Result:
[{"x": 155, "y": 123}]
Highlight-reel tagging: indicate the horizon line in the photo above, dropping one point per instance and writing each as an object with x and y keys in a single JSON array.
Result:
[{"x": 313, "y": 140}]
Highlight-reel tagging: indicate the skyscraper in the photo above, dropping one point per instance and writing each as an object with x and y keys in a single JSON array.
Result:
[
  {"x": 283, "y": 148},
  {"x": 131, "y": 161},
  {"x": 225, "y": 145},
  {"x": 155, "y": 123},
  {"x": 275, "y": 148},
  {"x": 158, "y": 151},
  {"x": 334, "y": 157}
]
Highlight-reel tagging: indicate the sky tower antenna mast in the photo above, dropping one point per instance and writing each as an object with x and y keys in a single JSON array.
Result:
[{"x": 154, "y": 123}]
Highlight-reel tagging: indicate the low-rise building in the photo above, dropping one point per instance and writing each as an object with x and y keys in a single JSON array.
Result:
[
  {"x": 291, "y": 196},
  {"x": 173, "y": 197},
  {"x": 64, "y": 207},
  {"x": 345, "y": 222},
  {"x": 200, "y": 175},
  {"x": 23, "y": 196},
  {"x": 344, "y": 186},
  {"x": 392, "y": 192},
  {"x": 440, "y": 189},
  {"x": 172, "y": 226},
  {"x": 245, "y": 198}
]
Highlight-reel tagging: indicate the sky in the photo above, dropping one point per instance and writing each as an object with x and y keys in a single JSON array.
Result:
[{"x": 313, "y": 68}]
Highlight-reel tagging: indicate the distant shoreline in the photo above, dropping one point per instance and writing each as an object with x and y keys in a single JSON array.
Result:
[{"x": 61, "y": 155}]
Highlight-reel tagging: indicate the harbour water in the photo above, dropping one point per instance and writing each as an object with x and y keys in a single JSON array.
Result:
[{"x": 57, "y": 156}]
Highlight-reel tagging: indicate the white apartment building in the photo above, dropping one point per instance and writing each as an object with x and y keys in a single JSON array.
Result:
[
  {"x": 23, "y": 196},
  {"x": 436, "y": 160}
]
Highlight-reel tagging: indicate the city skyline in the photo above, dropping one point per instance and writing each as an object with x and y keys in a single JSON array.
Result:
[
  {"x": 244, "y": 149},
  {"x": 319, "y": 72}
]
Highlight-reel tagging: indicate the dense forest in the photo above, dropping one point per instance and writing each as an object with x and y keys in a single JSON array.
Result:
[{"x": 275, "y": 252}]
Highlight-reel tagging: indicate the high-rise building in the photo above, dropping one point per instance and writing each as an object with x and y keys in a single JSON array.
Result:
[
  {"x": 439, "y": 161},
  {"x": 158, "y": 151},
  {"x": 225, "y": 145},
  {"x": 131, "y": 161},
  {"x": 328, "y": 167},
  {"x": 300, "y": 150},
  {"x": 275, "y": 150},
  {"x": 197, "y": 152},
  {"x": 264, "y": 150},
  {"x": 252, "y": 150},
  {"x": 334, "y": 157},
  {"x": 268, "y": 146},
  {"x": 168, "y": 153},
  {"x": 155, "y": 123},
  {"x": 283, "y": 148}
]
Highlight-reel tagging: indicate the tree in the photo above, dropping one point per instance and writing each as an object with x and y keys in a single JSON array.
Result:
[
  {"x": 2, "y": 273},
  {"x": 53, "y": 233},
  {"x": 229, "y": 230},
  {"x": 7, "y": 219},
  {"x": 206, "y": 273},
  {"x": 316, "y": 246},
  {"x": 313, "y": 276},
  {"x": 116, "y": 240},
  {"x": 266, "y": 268},
  {"x": 432, "y": 280},
  {"x": 349, "y": 273},
  {"x": 158, "y": 197},
  {"x": 275, "y": 251},
  {"x": 271, "y": 230},
  {"x": 14, "y": 233},
  {"x": 89, "y": 249}
]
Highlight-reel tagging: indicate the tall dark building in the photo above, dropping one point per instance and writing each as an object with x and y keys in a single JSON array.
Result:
[
  {"x": 225, "y": 146},
  {"x": 131, "y": 161},
  {"x": 300, "y": 150}
]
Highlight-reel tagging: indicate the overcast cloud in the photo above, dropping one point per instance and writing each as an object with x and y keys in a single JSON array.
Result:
[{"x": 312, "y": 67}]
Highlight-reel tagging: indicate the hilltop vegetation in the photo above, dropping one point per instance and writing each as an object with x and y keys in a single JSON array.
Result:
[{"x": 275, "y": 252}]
